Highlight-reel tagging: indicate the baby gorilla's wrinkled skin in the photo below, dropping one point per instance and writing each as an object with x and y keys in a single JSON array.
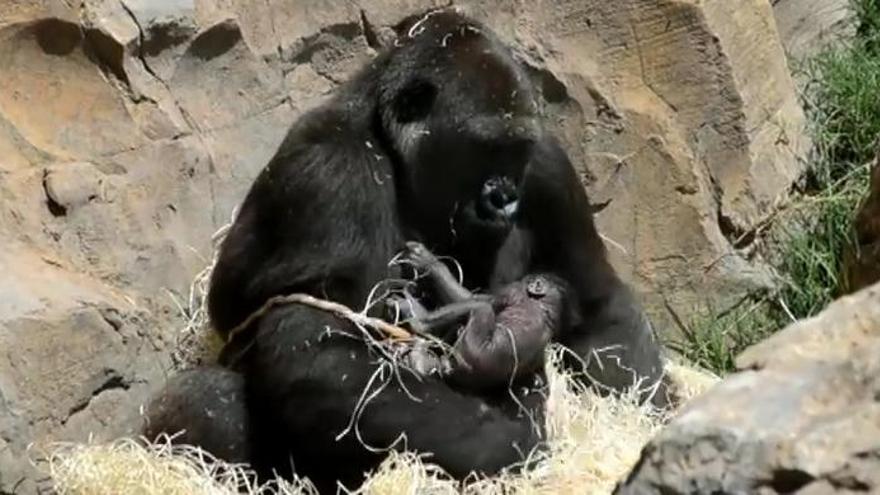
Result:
[
  {"x": 501, "y": 343},
  {"x": 496, "y": 338}
]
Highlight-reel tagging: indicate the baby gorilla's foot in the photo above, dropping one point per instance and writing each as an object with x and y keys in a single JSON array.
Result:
[{"x": 420, "y": 256}]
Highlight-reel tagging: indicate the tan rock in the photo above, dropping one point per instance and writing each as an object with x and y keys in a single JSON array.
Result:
[
  {"x": 684, "y": 116},
  {"x": 801, "y": 416},
  {"x": 808, "y": 26},
  {"x": 70, "y": 185}
]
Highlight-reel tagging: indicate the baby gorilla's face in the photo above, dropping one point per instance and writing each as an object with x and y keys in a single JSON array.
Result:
[
  {"x": 537, "y": 287},
  {"x": 549, "y": 292}
]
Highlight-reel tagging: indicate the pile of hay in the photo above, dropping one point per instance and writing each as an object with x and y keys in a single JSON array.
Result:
[{"x": 594, "y": 443}]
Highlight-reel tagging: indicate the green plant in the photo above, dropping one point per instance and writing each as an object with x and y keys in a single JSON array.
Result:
[
  {"x": 712, "y": 340},
  {"x": 811, "y": 256}
]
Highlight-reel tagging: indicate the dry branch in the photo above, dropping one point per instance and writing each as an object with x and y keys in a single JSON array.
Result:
[{"x": 340, "y": 310}]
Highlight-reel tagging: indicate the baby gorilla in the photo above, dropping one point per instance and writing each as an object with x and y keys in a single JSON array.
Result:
[{"x": 495, "y": 338}]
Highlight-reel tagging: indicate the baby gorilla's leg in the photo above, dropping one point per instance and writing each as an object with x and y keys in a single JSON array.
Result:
[
  {"x": 507, "y": 344},
  {"x": 479, "y": 362}
]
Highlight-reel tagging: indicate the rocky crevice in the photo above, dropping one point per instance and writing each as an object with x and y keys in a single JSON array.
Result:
[{"x": 113, "y": 381}]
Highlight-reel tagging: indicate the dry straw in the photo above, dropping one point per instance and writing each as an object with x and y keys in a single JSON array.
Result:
[{"x": 594, "y": 441}]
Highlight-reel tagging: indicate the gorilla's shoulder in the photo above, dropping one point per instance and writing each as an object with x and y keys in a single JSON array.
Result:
[{"x": 331, "y": 125}]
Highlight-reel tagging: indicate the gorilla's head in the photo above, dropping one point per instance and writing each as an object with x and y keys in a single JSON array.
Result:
[{"x": 461, "y": 116}]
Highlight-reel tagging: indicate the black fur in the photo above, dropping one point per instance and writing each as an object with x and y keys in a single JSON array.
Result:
[
  {"x": 206, "y": 407},
  {"x": 403, "y": 151},
  {"x": 556, "y": 234}
]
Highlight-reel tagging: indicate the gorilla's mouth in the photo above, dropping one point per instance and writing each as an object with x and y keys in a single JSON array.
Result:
[
  {"x": 490, "y": 214},
  {"x": 498, "y": 200}
]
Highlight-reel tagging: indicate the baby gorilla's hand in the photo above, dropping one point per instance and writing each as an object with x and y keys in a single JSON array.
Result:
[{"x": 420, "y": 256}]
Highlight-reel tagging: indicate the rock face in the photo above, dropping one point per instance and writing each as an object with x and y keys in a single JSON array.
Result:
[
  {"x": 862, "y": 264},
  {"x": 801, "y": 416},
  {"x": 807, "y": 26},
  {"x": 130, "y": 129}
]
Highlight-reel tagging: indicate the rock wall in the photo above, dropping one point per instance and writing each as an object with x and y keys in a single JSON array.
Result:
[
  {"x": 801, "y": 416},
  {"x": 808, "y": 26},
  {"x": 129, "y": 130}
]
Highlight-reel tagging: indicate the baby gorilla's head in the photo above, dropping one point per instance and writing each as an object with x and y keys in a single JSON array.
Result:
[{"x": 550, "y": 292}]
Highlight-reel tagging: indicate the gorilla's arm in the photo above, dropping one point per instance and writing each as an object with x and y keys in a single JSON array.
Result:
[
  {"x": 437, "y": 322},
  {"x": 618, "y": 346},
  {"x": 331, "y": 372},
  {"x": 298, "y": 196}
]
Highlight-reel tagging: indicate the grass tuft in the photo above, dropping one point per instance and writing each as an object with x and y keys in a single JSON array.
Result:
[{"x": 712, "y": 340}]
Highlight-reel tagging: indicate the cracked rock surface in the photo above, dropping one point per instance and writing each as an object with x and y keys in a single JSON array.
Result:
[
  {"x": 130, "y": 129},
  {"x": 802, "y": 416}
]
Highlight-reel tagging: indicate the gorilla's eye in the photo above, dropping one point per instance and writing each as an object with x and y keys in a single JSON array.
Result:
[{"x": 414, "y": 102}]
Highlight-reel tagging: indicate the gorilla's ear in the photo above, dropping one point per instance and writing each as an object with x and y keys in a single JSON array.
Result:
[{"x": 415, "y": 100}]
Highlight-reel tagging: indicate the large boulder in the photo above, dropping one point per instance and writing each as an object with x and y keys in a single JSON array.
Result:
[
  {"x": 802, "y": 415},
  {"x": 129, "y": 131}
]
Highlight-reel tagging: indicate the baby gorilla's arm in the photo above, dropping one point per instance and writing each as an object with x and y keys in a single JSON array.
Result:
[
  {"x": 437, "y": 322},
  {"x": 448, "y": 289},
  {"x": 456, "y": 301}
]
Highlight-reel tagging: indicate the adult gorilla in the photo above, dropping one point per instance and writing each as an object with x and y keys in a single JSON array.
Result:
[{"x": 409, "y": 148}]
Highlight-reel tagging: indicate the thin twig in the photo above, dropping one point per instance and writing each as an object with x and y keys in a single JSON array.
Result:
[{"x": 341, "y": 310}]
